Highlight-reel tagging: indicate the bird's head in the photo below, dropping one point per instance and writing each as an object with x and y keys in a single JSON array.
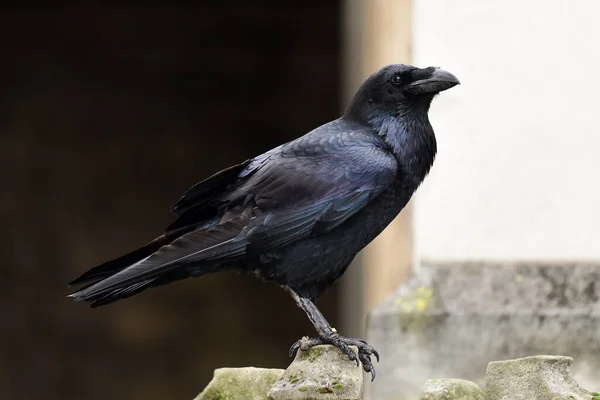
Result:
[{"x": 399, "y": 87}]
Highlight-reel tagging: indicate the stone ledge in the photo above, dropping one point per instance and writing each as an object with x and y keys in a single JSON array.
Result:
[
  {"x": 529, "y": 378},
  {"x": 452, "y": 319},
  {"x": 321, "y": 373},
  {"x": 240, "y": 383},
  {"x": 451, "y": 389},
  {"x": 539, "y": 377}
]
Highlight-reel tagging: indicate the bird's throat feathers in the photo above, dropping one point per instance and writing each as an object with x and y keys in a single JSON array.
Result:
[{"x": 409, "y": 135}]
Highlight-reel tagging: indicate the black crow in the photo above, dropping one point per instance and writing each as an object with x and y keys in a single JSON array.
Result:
[{"x": 297, "y": 214}]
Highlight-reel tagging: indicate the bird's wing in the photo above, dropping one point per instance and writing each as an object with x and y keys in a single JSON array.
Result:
[
  {"x": 206, "y": 191},
  {"x": 200, "y": 204},
  {"x": 314, "y": 185},
  {"x": 306, "y": 187}
]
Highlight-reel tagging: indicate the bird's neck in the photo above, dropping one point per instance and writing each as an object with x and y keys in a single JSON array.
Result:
[{"x": 410, "y": 137}]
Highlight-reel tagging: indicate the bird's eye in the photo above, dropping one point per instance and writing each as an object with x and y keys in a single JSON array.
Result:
[{"x": 397, "y": 80}]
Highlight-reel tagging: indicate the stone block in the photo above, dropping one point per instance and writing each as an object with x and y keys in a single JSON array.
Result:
[
  {"x": 321, "y": 373},
  {"x": 451, "y": 389},
  {"x": 240, "y": 384},
  {"x": 533, "y": 378},
  {"x": 450, "y": 320}
]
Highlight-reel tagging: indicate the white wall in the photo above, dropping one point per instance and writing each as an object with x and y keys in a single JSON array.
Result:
[{"x": 518, "y": 170}]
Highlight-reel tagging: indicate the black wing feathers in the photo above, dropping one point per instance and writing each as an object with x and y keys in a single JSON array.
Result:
[
  {"x": 340, "y": 210},
  {"x": 199, "y": 205},
  {"x": 208, "y": 191}
]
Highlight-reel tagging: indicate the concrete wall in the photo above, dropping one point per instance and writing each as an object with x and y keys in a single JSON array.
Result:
[{"x": 517, "y": 175}]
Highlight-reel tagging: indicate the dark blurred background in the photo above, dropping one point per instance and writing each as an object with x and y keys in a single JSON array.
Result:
[{"x": 107, "y": 114}]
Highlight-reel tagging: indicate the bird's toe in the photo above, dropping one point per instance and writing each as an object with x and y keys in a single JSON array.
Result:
[
  {"x": 294, "y": 349},
  {"x": 365, "y": 360}
]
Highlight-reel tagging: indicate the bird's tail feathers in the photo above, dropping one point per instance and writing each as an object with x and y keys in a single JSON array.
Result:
[
  {"x": 165, "y": 260},
  {"x": 111, "y": 267},
  {"x": 104, "y": 298},
  {"x": 159, "y": 268}
]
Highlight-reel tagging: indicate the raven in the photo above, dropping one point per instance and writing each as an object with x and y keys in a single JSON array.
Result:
[{"x": 297, "y": 214}]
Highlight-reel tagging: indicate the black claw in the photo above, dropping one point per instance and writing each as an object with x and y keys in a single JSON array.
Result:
[
  {"x": 376, "y": 354},
  {"x": 294, "y": 349},
  {"x": 372, "y": 374}
]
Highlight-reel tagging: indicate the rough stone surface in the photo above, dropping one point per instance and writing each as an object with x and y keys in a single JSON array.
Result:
[
  {"x": 240, "y": 384},
  {"x": 321, "y": 373},
  {"x": 538, "y": 377},
  {"x": 451, "y": 320},
  {"x": 451, "y": 389}
]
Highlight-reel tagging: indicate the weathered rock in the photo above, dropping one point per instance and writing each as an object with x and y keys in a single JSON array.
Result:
[
  {"x": 240, "y": 384},
  {"x": 321, "y": 373},
  {"x": 535, "y": 378},
  {"x": 452, "y": 319},
  {"x": 451, "y": 389}
]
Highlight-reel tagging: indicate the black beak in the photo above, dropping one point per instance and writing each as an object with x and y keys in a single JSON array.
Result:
[{"x": 436, "y": 81}]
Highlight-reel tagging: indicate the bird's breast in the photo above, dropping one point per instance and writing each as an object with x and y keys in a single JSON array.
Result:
[{"x": 378, "y": 214}]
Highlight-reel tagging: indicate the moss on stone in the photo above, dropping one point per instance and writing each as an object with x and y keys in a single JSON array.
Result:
[
  {"x": 303, "y": 389},
  {"x": 213, "y": 394},
  {"x": 314, "y": 353},
  {"x": 295, "y": 378},
  {"x": 240, "y": 383},
  {"x": 412, "y": 308},
  {"x": 311, "y": 354},
  {"x": 451, "y": 389},
  {"x": 418, "y": 300},
  {"x": 324, "y": 389}
]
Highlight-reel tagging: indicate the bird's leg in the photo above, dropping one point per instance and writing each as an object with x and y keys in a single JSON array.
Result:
[{"x": 328, "y": 335}]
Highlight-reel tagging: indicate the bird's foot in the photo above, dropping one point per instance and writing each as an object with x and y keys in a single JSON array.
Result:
[{"x": 365, "y": 350}]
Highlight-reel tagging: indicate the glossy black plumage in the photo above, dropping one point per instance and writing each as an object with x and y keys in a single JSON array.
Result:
[{"x": 299, "y": 213}]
